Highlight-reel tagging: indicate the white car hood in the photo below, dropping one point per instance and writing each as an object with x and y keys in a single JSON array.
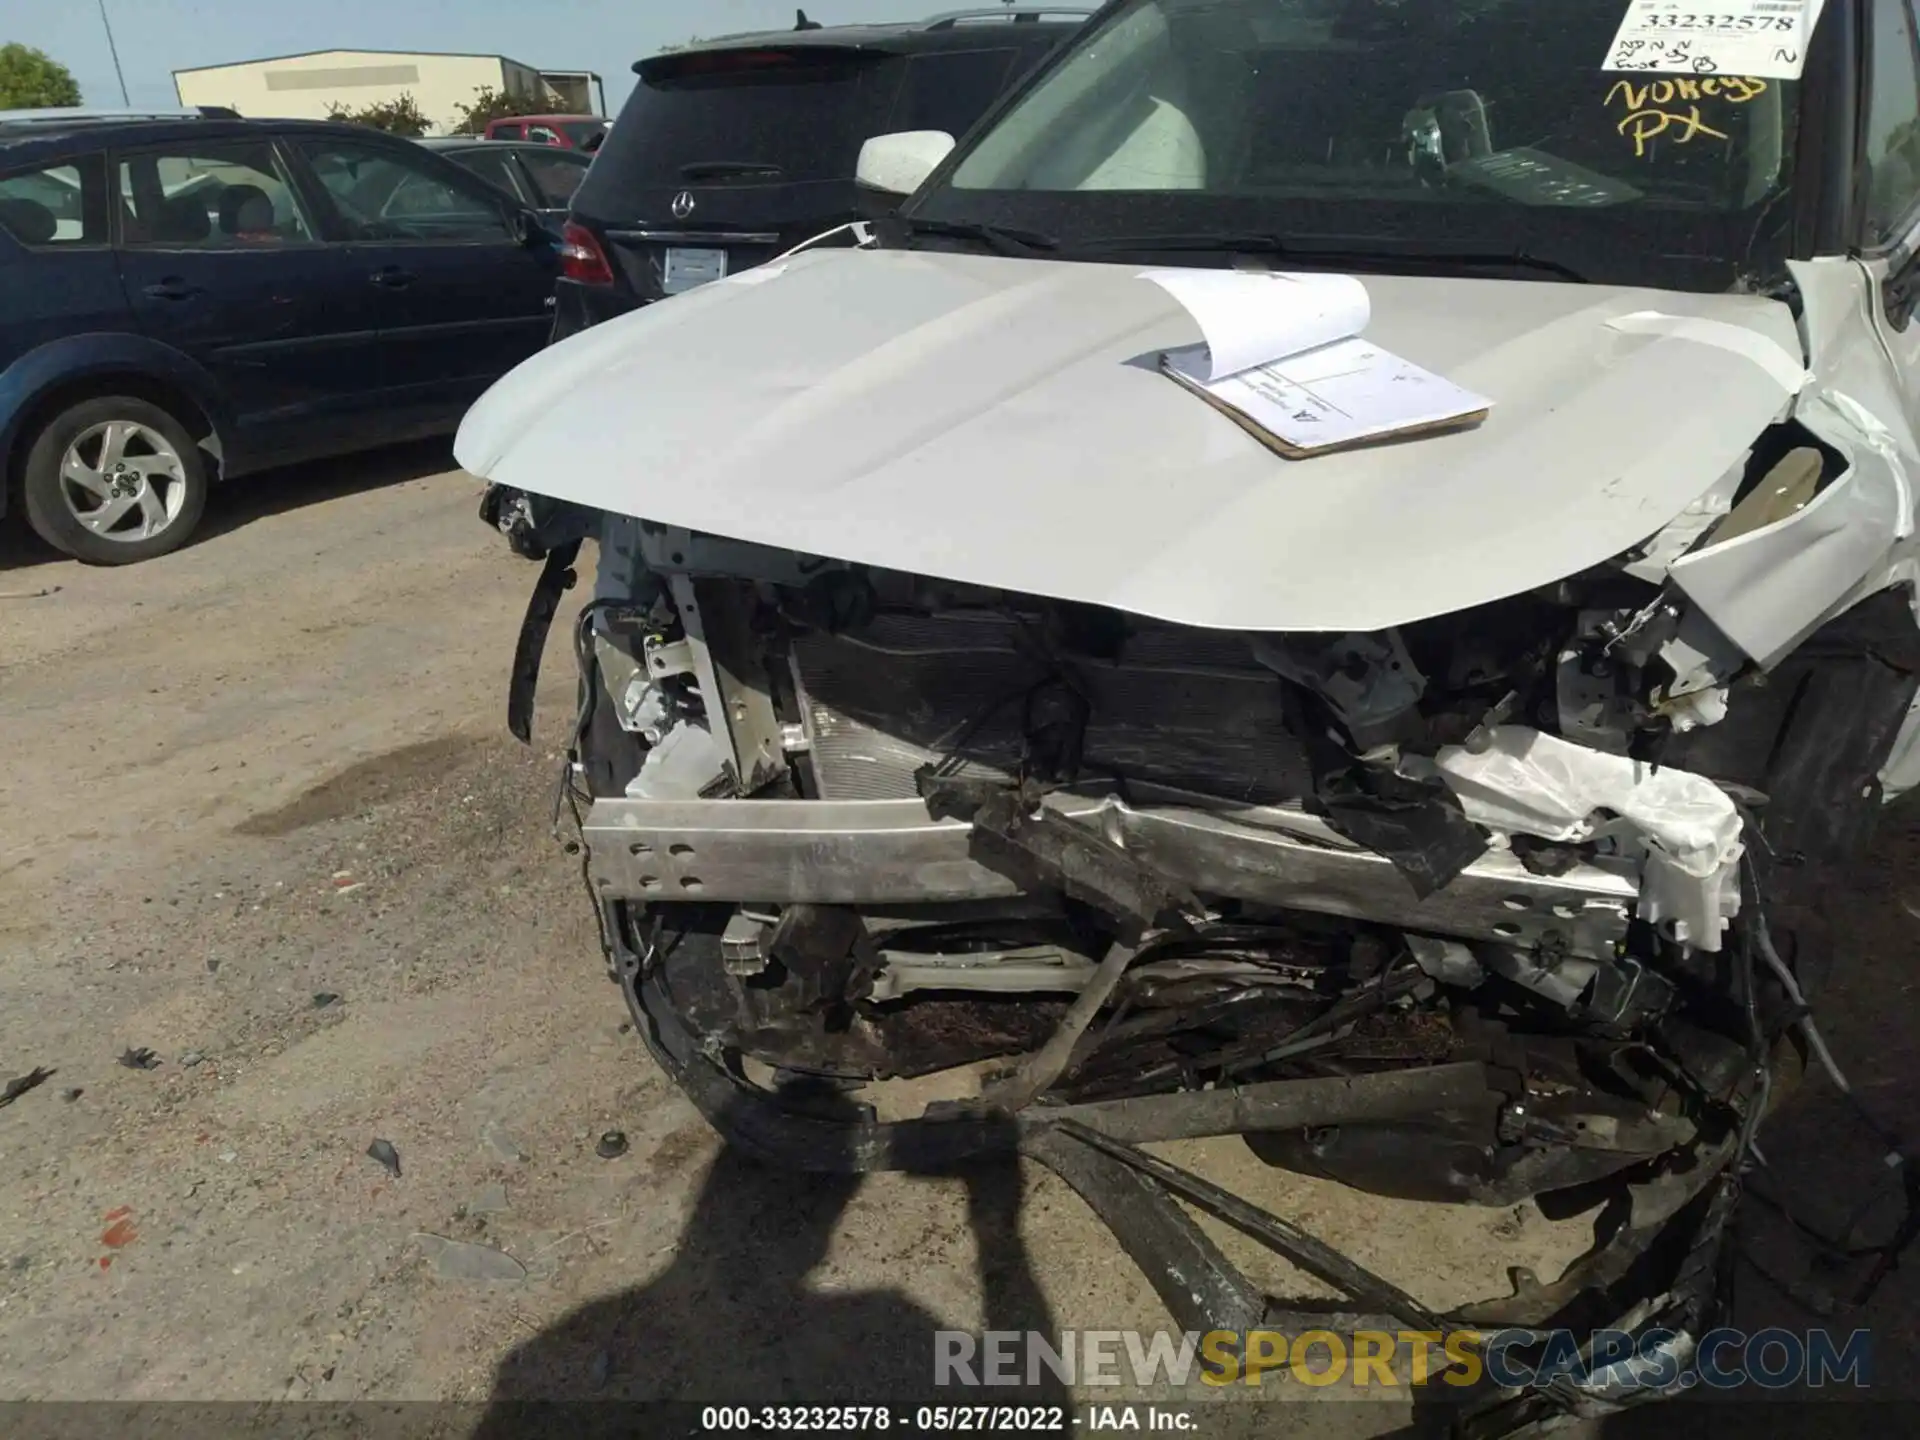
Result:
[{"x": 1002, "y": 422}]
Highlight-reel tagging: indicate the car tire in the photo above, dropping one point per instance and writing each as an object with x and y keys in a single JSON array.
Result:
[{"x": 114, "y": 480}]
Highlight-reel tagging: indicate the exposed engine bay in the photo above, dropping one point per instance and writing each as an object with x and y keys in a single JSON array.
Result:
[
  {"x": 1509, "y": 891},
  {"x": 1513, "y": 903}
]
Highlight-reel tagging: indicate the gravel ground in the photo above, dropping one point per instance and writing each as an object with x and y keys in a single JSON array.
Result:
[{"x": 261, "y": 817}]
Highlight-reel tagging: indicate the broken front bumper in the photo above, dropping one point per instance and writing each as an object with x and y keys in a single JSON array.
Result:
[
  {"x": 894, "y": 852},
  {"x": 1094, "y": 1149}
]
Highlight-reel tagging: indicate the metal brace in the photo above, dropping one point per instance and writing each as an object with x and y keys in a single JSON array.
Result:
[{"x": 667, "y": 658}]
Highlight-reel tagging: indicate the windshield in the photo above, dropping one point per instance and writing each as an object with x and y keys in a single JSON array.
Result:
[{"x": 1486, "y": 124}]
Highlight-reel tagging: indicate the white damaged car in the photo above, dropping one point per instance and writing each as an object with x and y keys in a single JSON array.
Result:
[{"x": 1450, "y": 816}]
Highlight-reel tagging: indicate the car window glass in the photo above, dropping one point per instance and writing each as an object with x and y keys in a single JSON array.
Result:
[
  {"x": 511, "y": 130},
  {"x": 542, "y": 134},
  {"x": 47, "y": 207},
  {"x": 1360, "y": 103},
  {"x": 208, "y": 196},
  {"x": 950, "y": 91},
  {"x": 790, "y": 116},
  {"x": 385, "y": 194},
  {"x": 1892, "y": 132},
  {"x": 583, "y": 131},
  {"x": 556, "y": 174},
  {"x": 490, "y": 165}
]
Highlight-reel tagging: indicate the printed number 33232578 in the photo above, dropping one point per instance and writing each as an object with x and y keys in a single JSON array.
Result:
[{"x": 1757, "y": 24}]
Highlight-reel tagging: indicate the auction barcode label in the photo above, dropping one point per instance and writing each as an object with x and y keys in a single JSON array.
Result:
[{"x": 1756, "y": 38}]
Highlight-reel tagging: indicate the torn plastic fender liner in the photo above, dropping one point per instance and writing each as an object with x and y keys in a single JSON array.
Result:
[
  {"x": 1771, "y": 588},
  {"x": 1685, "y": 828},
  {"x": 1658, "y": 553},
  {"x": 1768, "y": 589}
]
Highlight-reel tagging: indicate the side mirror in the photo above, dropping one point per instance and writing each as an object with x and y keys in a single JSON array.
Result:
[
  {"x": 898, "y": 163},
  {"x": 528, "y": 229}
]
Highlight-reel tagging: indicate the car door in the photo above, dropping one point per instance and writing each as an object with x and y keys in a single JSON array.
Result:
[
  {"x": 219, "y": 257},
  {"x": 460, "y": 299},
  {"x": 57, "y": 274}
]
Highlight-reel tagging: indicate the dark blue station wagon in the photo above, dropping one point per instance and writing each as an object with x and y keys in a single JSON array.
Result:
[{"x": 187, "y": 299}]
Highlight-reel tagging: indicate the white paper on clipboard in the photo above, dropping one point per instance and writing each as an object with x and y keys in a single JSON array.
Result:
[
  {"x": 1250, "y": 319},
  {"x": 1764, "y": 38}
]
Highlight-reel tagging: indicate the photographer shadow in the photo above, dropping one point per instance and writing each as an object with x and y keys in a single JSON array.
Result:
[{"x": 733, "y": 1320}]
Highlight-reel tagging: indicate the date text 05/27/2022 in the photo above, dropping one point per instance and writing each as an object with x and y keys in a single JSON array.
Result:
[{"x": 955, "y": 1419}]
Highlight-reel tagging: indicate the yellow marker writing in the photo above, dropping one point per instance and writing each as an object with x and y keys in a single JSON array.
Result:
[
  {"x": 1649, "y": 115},
  {"x": 1645, "y": 125}
]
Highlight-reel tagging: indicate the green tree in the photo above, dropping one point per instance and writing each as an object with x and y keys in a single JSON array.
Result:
[
  {"x": 397, "y": 117},
  {"x": 491, "y": 104},
  {"x": 31, "y": 79}
]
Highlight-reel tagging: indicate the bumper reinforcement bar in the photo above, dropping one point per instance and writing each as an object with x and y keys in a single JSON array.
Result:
[{"x": 893, "y": 852}]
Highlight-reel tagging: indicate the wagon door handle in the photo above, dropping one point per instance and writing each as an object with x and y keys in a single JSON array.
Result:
[
  {"x": 392, "y": 276},
  {"x": 171, "y": 288}
]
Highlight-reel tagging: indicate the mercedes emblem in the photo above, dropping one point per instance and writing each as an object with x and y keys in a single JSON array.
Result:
[{"x": 682, "y": 205}]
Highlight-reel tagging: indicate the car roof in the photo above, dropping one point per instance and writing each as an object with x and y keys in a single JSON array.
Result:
[
  {"x": 954, "y": 30},
  {"x": 453, "y": 143},
  {"x": 24, "y": 141},
  {"x": 546, "y": 119},
  {"x": 78, "y": 114}
]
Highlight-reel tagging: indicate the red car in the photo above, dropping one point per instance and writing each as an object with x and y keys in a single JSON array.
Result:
[{"x": 569, "y": 132}]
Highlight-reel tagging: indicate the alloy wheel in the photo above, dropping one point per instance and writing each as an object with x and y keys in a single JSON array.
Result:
[{"x": 123, "y": 480}]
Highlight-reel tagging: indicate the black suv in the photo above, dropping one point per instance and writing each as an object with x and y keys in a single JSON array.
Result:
[{"x": 735, "y": 149}]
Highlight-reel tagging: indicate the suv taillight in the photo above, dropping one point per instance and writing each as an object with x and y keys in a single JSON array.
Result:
[{"x": 581, "y": 257}]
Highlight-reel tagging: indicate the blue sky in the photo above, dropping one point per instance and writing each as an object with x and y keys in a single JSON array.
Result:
[{"x": 157, "y": 37}]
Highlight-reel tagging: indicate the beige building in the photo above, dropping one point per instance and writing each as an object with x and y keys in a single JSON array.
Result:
[{"x": 306, "y": 87}]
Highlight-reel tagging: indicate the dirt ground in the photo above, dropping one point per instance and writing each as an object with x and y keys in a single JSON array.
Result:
[{"x": 259, "y": 814}]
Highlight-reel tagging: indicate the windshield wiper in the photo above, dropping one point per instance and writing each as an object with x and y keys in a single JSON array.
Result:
[
  {"x": 1250, "y": 243},
  {"x": 1223, "y": 241},
  {"x": 720, "y": 169},
  {"x": 1001, "y": 239}
]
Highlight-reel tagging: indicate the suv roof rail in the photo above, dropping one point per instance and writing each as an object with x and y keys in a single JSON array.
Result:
[
  {"x": 950, "y": 20},
  {"x": 1028, "y": 14},
  {"x": 66, "y": 114}
]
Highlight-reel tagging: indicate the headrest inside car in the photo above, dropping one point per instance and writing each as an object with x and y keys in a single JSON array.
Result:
[
  {"x": 28, "y": 221},
  {"x": 245, "y": 210},
  {"x": 182, "y": 218}
]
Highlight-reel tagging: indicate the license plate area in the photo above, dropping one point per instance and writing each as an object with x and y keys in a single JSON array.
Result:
[{"x": 685, "y": 268}]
